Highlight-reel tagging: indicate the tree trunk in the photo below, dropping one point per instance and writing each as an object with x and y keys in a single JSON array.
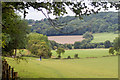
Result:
[{"x": 15, "y": 52}]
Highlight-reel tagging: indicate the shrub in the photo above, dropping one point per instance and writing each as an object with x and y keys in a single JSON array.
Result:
[
  {"x": 68, "y": 57},
  {"x": 59, "y": 56},
  {"x": 76, "y": 56},
  {"x": 88, "y": 35},
  {"x": 111, "y": 50},
  {"x": 107, "y": 44}
]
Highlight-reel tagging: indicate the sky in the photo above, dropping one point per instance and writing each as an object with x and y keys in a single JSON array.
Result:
[{"x": 38, "y": 15}]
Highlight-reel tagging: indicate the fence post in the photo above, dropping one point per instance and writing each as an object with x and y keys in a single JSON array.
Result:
[
  {"x": 15, "y": 75},
  {"x": 12, "y": 73},
  {"x": 7, "y": 73}
]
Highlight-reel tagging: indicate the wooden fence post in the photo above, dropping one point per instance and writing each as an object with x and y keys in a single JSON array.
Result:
[
  {"x": 12, "y": 73},
  {"x": 15, "y": 75},
  {"x": 7, "y": 73}
]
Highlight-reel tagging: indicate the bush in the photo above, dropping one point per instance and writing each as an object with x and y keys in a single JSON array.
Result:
[
  {"x": 77, "y": 45},
  {"x": 107, "y": 44},
  {"x": 68, "y": 57},
  {"x": 100, "y": 46},
  {"x": 59, "y": 56},
  {"x": 76, "y": 56},
  {"x": 88, "y": 35},
  {"x": 69, "y": 46}
]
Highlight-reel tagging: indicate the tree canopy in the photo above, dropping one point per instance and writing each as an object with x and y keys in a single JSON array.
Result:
[
  {"x": 101, "y": 22},
  {"x": 39, "y": 45},
  {"x": 14, "y": 30}
]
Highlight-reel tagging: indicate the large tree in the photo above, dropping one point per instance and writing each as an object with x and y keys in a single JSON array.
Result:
[
  {"x": 60, "y": 51},
  {"x": 39, "y": 45},
  {"x": 14, "y": 30}
]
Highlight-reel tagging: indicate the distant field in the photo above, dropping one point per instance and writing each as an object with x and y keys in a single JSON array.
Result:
[
  {"x": 98, "y": 37},
  {"x": 66, "y": 39},
  {"x": 82, "y": 53},
  {"x": 101, "y": 37},
  {"x": 101, "y": 67}
]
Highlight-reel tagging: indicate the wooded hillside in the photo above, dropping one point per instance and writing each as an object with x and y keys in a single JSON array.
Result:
[{"x": 95, "y": 23}]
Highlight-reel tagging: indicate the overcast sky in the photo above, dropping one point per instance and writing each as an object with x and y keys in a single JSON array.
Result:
[{"x": 37, "y": 15}]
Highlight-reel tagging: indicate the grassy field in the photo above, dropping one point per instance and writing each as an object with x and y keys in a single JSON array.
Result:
[
  {"x": 101, "y": 67},
  {"x": 101, "y": 37},
  {"x": 82, "y": 53}
]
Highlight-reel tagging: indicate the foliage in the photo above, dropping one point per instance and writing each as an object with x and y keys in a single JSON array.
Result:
[
  {"x": 111, "y": 50},
  {"x": 88, "y": 36},
  {"x": 59, "y": 51},
  {"x": 87, "y": 45},
  {"x": 80, "y": 10},
  {"x": 116, "y": 44},
  {"x": 38, "y": 44},
  {"x": 98, "y": 23},
  {"x": 107, "y": 44},
  {"x": 14, "y": 30},
  {"x": 68, "y": 57},
  {"x": 54, "y": 45},
  {"x": 76, "y": 56}
]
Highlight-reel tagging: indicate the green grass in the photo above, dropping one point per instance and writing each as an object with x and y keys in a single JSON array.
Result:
[
  {"x": 101, "y": 37},
  {"x": 102, "y": 67},
  {"x": 82, "y": 53}
]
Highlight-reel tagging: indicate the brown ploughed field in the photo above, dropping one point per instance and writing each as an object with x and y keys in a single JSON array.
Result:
[{"x": 66, "y": 39}]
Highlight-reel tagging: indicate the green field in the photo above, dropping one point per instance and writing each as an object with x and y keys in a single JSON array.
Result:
[
  {"x": 101, "y": 37},
  {"x": 82, "y": 53},
  {"x": 101, "y": 67}
]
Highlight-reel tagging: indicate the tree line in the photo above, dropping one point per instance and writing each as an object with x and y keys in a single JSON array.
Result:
[{"x": 95, "y": 23}]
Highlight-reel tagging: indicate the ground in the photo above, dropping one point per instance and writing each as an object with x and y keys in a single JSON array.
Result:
[{"x": 100, "y": 67}]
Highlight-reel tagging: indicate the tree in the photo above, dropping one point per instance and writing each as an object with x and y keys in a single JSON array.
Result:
[
  {"x": 14, "y": 30},
  {"x": 116, "y": 44},
  {"x": 69, "y": 46},
  {"x": 39, "y": 45},
  {"x": 77, "y": 45},
  {"x": 88, "y": 35},
  {"x": 76, "y": 56},
  {"x": 107, "y": 44},
  {"x": 54, "y": 48},
  {"x": 59, "y": 51},
  {"x": 111, "y": 50}
]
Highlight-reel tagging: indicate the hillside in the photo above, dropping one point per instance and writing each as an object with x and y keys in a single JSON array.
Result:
[{"x": 95, "y": 23}]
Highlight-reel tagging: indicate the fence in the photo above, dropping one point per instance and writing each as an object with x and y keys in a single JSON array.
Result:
[{"x": 8, "y": 72}]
